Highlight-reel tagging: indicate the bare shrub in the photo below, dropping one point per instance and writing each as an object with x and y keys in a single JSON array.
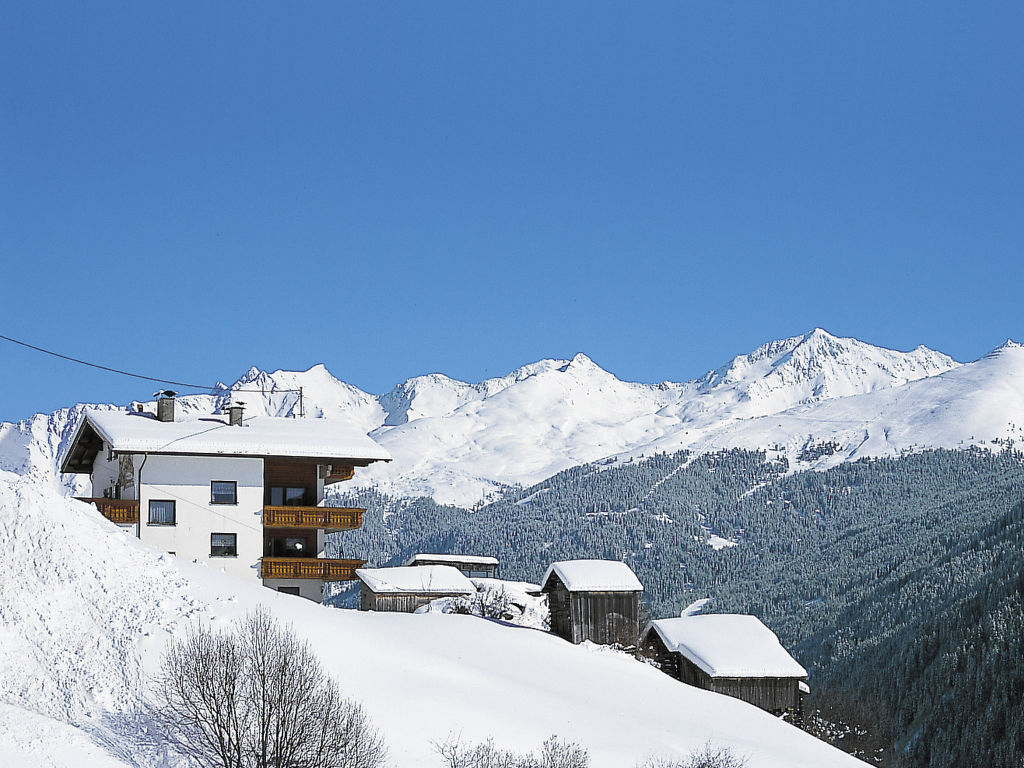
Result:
[
  {"x": 257, "y": 697},
  {"x": 554, "y": 753},
  {"x": 707, "y": 756},
  {"x": 491, "y": 603}
]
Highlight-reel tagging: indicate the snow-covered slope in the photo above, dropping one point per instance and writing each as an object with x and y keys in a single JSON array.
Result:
[
  {"x": 458, "y": 442},
  {"x": 85, "y": 611}
]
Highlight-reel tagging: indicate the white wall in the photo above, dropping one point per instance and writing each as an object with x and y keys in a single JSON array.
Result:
[
  {"x": 105, "y": 473},
  {"x": 186, "y": 481},
  {"x": 311, "y": 589}
]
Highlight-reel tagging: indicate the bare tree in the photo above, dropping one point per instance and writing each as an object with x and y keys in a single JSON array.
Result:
[
  {"x": 706, "y": 757},
  {"x": 257, "y": 697},
  {"x": 553, "y": 754}
]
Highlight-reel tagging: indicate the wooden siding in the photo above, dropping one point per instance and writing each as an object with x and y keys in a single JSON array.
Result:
[
  {"x": 404, "y": 602},
  {"x": 653, "y": 647},
  {"x": 600, "y": 617},
  {"x": 290, "y": 474},
  {"x": 470, "y": 570},
  {"x": 328, "y": 518},
  {"x": 773, "y": 694},
  {"x": 120, "y": 511},
  {"x": 309, "y": 568}
]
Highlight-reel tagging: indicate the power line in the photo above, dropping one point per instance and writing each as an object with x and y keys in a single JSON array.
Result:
[
  {"x": 201, "y": 387},
  {"x": 107, "y": 368}
]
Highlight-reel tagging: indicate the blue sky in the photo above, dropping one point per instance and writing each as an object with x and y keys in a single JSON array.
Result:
[{"x": 395, "y": 189}]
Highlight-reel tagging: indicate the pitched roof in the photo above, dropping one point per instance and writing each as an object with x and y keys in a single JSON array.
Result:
[
  {"x": 257, "y": 436},
  {"x": 417, "y": 579},
  {"x": 594, "y": 576},
  {"x": 728, "y": 645}
]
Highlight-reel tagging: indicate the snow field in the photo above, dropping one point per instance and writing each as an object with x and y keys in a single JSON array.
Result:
[{"x": 85, "y": 612}]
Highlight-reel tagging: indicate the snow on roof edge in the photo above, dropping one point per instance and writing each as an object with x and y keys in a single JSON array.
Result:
[
  {"x": 763, "y": 656},
  {"x": 261, "y": 436},
  {"x": 594, "y": 576},
  {"x": 417, "y": 579}
]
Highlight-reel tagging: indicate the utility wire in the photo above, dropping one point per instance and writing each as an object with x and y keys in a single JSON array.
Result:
[{"x": 201, "y": 387}]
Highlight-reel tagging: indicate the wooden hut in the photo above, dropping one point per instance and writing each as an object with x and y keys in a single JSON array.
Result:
[
  {"x": 473, "y": 566},
  {"x": 406, "y": 589},
  {"x": 727, "y": 653},
  {"x": 596, "y": 600}
]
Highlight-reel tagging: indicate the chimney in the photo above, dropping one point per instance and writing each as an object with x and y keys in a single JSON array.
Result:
[
  {"x": 165, "y": 405},
  {"x": 235, "y": 414}
]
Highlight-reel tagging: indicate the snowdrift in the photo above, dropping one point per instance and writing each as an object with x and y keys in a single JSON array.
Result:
[{"x": 85, "y": 611}]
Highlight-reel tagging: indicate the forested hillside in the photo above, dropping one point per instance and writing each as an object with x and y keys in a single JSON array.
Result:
[{"x": 895, "y": 581}]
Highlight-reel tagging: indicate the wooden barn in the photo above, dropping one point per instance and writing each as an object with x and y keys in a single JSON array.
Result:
[
  {"x": 727, "y": 653},
  {"x": 596, "y": 600},
  {"x": 473, "y": 566},
  {"x": 406, "y": 589}
]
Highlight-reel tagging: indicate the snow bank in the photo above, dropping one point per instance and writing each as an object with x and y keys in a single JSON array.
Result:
[{"x": 85, "y": 611}]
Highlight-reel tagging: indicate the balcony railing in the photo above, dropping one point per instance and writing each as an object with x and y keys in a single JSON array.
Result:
[
  {"x": 328, "y": 518},
  {"x": 339, "y": 473},
  {"x": 309, "y": 568},
  {"x": 120, "y": 511}
]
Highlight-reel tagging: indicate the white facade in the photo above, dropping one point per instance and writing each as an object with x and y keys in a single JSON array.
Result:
[
  {"x": 187, "y": 481},
  {"x": 206, "y": 488}
]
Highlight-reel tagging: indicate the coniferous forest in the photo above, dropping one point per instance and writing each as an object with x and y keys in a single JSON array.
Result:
[{"x": 896, "y": 582}]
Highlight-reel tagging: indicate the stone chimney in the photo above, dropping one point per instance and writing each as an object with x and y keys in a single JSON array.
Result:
[
  {"x": 235, "y": 414},
  {"x": 165, "y": 405}
]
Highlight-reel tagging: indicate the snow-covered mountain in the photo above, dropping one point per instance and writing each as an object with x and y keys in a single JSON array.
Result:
[
  {"x": 458, "y": 441},
  {"x": 85, "y": 612}
]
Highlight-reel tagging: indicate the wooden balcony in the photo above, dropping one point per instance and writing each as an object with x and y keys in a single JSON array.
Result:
[
  {"x": 120, "y": 511},
  {"x": 328, "y": 518},
  {"x": 323, "y": 569}
]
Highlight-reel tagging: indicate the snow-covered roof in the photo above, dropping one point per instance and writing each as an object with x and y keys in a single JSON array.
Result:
[
  {"x": 447, "y": 558},
  {"x": 594, "y": 576},
  {"x": 420, "y": 579},
  {"x": 728, "y": 645},
  {"x": 257, "y": 436}
]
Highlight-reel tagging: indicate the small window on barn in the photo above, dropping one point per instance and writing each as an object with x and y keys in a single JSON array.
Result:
[
  {"x": 161, "y": 512},
  {"x": 223, "y": 492},
  {"x": 289, "y": 590},
  {"x": 223, "y": 545}
]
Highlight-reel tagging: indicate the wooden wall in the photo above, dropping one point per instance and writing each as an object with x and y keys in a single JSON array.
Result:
[
  {"x": 654, "y": 648},
  {"x": 292, "y": 474},
  {"x": 405, "y": 602},
  {"x": 601, "y": 617},
  {"x": 773, "y": 694}
]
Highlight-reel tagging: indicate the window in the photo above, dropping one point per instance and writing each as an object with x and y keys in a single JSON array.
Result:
[
  {"x": 223, "y": 492},
  {"x": 289, "y": 590},
  {"x": 223, "y": 545},
  {"x": 287, "y": 497},
  {"x": 161, "y": 512}
]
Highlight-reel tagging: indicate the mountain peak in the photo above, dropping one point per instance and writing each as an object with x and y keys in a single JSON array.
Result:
[{"x": 579, "y": 362}]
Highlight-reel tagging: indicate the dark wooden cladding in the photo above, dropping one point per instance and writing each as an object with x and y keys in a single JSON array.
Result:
[
  {"x": 120, "y": 511},
  {"x": 292, "y": 473},
  {"x": 406, "y": 602},
  {"x": 328, "y": 518},
  {"x": 654, "y": 648},
  {"x": 600, "y": 617},
  {"x": 282, "y": 473},
  {"x": 773, "y": 694},
  {"x": 309, "y": 568}
]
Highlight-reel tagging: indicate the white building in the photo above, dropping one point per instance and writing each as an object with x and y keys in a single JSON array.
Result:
[{"x": 241, "y": 495}]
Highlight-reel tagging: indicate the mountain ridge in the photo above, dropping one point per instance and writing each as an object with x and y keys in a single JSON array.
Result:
[{"x": 459, "y": 442}]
